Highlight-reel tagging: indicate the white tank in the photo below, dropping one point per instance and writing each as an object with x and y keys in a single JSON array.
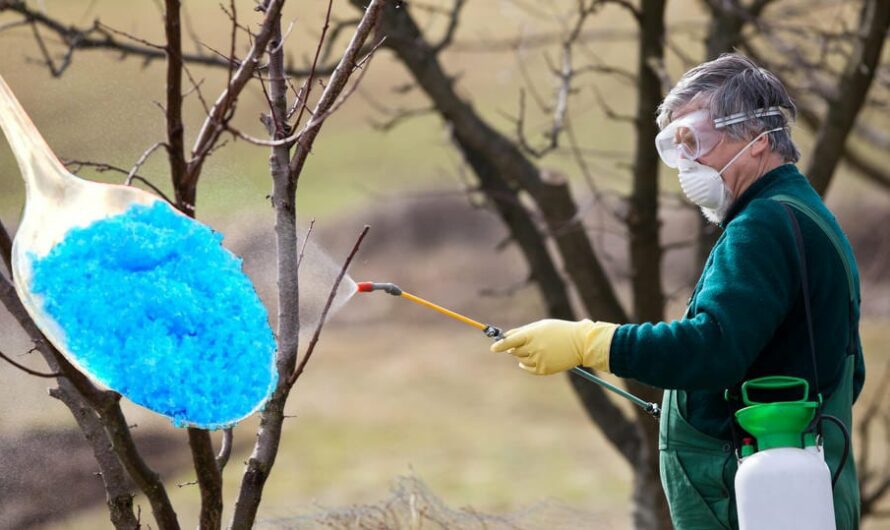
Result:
[
  {"x": 784, "y": 488},
  {"x": 785, "y": 484}
]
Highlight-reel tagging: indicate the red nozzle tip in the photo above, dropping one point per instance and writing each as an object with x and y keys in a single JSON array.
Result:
[{"x": 365, "y": 287}]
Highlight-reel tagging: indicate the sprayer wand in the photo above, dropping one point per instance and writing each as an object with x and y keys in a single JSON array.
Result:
[{"x": 496, "y": 333}]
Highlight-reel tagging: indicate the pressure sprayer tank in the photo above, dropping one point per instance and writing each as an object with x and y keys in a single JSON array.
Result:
[{"x": 784, "y": 483}]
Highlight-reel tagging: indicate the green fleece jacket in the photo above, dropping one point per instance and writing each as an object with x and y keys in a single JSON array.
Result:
[{"x": 746, "y": 316}]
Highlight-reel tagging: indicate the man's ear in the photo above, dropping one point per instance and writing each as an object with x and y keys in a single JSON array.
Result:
[{"x": 760, "y": 146}]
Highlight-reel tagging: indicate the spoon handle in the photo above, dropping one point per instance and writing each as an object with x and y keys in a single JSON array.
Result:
[{"x": 41, "y": 169}]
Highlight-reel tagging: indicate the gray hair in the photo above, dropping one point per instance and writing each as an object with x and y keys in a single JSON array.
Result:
[{"x": 731, "y": 84}]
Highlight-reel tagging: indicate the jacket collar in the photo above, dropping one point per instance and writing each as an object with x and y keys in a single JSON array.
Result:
[{"x": 758, "y": 189}]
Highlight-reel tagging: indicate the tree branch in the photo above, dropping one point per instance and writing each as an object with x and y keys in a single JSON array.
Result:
[
  {"x": 107, "y": 406},
  {"x": 28, "y": 370},
  {"x": 6, "y": 248},
  {"x": 453, "y": 20},
  {"x": 175, "y": 131},
  {"x": 327, "y": 307},
  {"x": 285, "y": 173},
  {"x": 99, "y": 37},
  {"x": 225, "y": 449},
  {"x": 209, "y": 478},
  {"x": 854, "y": 84},
  {"x": 335, "y": 86},
  {"x": 222, "y": 109},
  {"x": 118, "y": 497}
]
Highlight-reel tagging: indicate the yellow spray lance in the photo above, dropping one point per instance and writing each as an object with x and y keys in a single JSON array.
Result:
[{"x": 497, "y": 334}]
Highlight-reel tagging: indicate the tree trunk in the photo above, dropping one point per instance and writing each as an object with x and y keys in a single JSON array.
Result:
[{"x": 844, "y": 107}]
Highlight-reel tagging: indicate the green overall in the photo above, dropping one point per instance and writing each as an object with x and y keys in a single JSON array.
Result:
[{"x": 698, "y": 470}]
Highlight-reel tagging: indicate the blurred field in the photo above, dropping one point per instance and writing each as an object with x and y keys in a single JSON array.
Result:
[
  {"x": 396, "y": 390},
  {"x": 393, "y": 391}
]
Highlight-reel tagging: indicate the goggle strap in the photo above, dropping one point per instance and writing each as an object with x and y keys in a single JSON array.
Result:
[{"x": 739, "y": 117}]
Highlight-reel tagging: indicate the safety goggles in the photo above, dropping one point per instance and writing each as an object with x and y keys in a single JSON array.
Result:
[{"x": 695, "y": 134}]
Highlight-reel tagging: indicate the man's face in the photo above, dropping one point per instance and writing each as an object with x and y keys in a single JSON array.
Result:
[{"x": 724, "y": 151}]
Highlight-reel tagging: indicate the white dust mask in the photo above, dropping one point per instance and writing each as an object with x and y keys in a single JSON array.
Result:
[
  {"x": 704, "y": 186},
  {"x": 701, "y": 184}
]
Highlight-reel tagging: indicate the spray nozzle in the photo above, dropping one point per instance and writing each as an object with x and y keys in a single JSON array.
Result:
[{"x": 367, "y": 287}]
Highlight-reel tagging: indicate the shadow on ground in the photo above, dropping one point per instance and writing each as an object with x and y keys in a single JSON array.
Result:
[{"x": 46, "y": 476}]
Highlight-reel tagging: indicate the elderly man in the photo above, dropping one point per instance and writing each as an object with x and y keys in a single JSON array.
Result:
[{"x": 726, "y": 129}]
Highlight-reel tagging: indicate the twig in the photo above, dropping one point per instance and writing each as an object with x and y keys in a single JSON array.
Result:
[
  {"x": 318, "y": 117},
  {"x": 335, "y": 86},
  {"x": 327, "y": 306},
  {"x": 632, "y": 9},
  {"x": 99, "y": 38},
  {"x": 56, "y": 71},
  {"x": 399, "y": 116},
  {"x": 220, "y": 113},
  {"x": 132, "y": 173},
  {"x": 305, "y": 242},
  {"x": 159, "y": 192},
  {"x": 225, "y": 449},
  {"x": 102, "y": 167},
  {"x": 133, "y": 38},
  {"x": 453, "y": 19},
  {"x": 28, "y": 370},
  {"x": 6, "y": 248}
]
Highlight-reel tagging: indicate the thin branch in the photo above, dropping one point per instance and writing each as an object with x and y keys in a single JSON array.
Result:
[
  {"x": 453, "y": 19},
  {"x": 133, "y": 38},
  {"x": 209, "y": 477},
  {"x": 629, "y": 7},
  {"x": 102, "y": 167},
  {"x": 305, "y": 243},
  {"x": 327, "y": 306},
  {"x": 155, "y": 189},
  {"x": 132, "y": 173},
  {"x": 225, "y": 449},
  {"x": 302, "y": 98},
  {"x": 6, "y": 248},
  {"x": 609, "y": 111},
  {"x": 318, "y": 117},
  {"x": 28, "y": 370},
  {"x": 400, "y": 116},
  {"x": 100, "y": 37},
  {"x": 221, "y": 112},
  {"x": 175, "y": 129},
  {"x": 56, "y": 71}
]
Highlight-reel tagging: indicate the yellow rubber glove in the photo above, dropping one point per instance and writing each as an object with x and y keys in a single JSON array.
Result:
[{"x": 550, "y": 346}]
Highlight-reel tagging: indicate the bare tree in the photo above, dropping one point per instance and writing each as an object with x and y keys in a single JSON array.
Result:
[
  {"x": 549, "y": 228},
  {"x": 98, "y": 412}
]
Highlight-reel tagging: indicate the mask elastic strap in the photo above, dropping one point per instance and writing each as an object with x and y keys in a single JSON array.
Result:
[{"x": 747, "y": 146}]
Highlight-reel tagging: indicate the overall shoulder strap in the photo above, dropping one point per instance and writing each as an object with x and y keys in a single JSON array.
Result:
[
  {"x": 825, "y": 227},
  {"x": 802, "y": 256}
]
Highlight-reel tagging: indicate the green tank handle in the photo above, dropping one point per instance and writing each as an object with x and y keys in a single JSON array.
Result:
[{"x": 775, "y": 382}]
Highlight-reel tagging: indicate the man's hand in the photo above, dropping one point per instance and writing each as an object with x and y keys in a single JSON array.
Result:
[{"x": 550, "y": 346}]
